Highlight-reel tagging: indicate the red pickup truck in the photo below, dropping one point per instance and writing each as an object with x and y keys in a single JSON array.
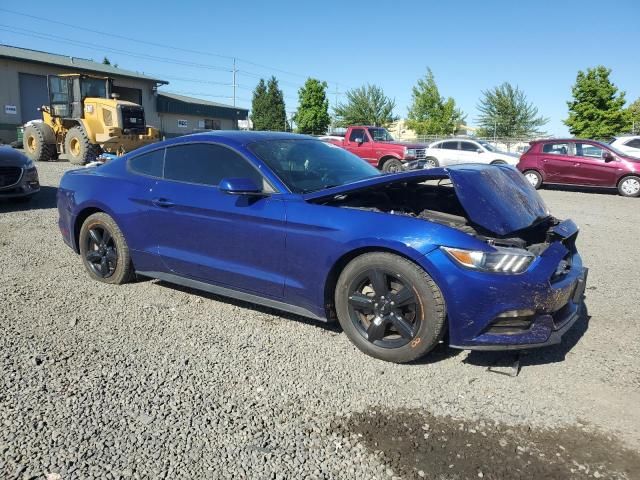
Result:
[{"x": 377, "y": 146}]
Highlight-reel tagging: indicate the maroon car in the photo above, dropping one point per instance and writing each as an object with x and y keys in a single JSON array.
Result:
[{"x": 581, "y": 162}]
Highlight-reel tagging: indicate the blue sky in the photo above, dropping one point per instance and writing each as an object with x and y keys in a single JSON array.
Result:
[{"x": 470, "y": 46}]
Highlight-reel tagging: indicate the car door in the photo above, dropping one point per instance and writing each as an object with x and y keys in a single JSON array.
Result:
[
  {"x": 590, "y": 167},
  {"x": 447, "y": 153},
  {"x": 229, "y": 240},
  {"x": 557, "y": 162},
  {"x": 468, "y": 153},
  {"x": 363, "y": 148}
]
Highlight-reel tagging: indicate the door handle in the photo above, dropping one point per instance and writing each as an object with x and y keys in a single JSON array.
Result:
[
  {"x": 576, "y": 164},
  {"x": 162, "y": 202}
]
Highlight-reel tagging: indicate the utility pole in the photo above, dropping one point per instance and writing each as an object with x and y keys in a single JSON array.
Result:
[
  {"x": 234, "y": 81},
  {"x": 335, "y": 102}
]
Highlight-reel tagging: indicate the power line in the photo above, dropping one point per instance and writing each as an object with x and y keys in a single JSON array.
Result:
[{"x": 156, "y": 44}]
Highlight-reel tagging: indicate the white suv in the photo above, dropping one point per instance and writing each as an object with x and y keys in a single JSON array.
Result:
[
  {"x": 629, "y": 144},
  {"x": 464, "y": 150}
]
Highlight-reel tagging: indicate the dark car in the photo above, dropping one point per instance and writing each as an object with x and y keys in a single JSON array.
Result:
[
  {"x": 581, "y": 162},
  {"x": 18, "y": 175},
  {"x": 300, "y": 225}
]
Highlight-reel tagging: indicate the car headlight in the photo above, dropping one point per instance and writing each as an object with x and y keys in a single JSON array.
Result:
[
  {"x": 409, "y": 153},
  {"x": 503, "y": 260}
]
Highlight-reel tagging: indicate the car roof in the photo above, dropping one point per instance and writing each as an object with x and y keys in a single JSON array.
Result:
[
  {"x": 234, "y": 138},
  {"x": 555, "y": 140}
]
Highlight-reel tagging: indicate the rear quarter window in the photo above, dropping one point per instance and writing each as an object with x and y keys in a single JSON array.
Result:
[{"x": 150, "y": 164}]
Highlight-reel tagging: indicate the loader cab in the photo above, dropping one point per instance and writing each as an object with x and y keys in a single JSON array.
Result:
[{"x": 67, "y": 93}]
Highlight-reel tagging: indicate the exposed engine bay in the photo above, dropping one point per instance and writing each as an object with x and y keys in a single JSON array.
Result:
[{"x": 437, "y": 201}]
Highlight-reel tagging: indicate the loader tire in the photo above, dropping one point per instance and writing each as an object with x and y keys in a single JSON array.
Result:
[
  {"x": 78, "y": 148},
  {"x": 35, "y": 145}
]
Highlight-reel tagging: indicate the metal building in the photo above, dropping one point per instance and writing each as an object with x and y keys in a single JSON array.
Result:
[{"x": 23, "y": 88}]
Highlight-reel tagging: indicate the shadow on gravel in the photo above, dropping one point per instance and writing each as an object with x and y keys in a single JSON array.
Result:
[
  {"x": 46, "y": 198},
  {"x": 417, "y": 445},
  {"x": 539, "y": 356},
  {"x": 331, "y": 326}
]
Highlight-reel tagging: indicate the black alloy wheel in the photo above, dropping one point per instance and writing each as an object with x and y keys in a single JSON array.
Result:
[
  {"x": 101, "y": 252},
  {"x": 104, "y": 250},
  {"x": 389, "y": 307},
  {"x": 384, "y": 309}
]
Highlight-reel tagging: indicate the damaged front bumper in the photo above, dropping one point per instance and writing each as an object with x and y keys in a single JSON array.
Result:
[{"x": 488, "y": 311}]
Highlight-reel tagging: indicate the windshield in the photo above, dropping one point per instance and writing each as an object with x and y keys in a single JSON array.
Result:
[
  {"x": 488, "y": 146},
  {"x": 309, "y": 165},
  {"x": 380, "y": 135}
]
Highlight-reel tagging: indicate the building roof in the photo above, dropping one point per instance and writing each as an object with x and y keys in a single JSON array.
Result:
[
  {"x": 75, "y": 63},
  {"x": 173, "y": 103}
]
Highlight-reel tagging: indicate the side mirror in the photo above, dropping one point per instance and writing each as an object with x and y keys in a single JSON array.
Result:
[
  {"x": 480, "y": 150},
  {"x": 608, "y": 157},
  {"x": 239, "y": 186},
  {"x": 359, "y": 140}
]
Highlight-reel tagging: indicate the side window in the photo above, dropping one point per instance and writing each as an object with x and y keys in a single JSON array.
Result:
[
  {"x": 206, "y": 164},
  {"x": 449, "y": 145},
  {"x": 556, "y": 148},
  {"x": 148, "y": 163},
  {"x": 635, "y": 143},
  {"x": 588, "y": 150},
  {"x": 469, "y": 147},
  {"x": 358, "y": 133}
]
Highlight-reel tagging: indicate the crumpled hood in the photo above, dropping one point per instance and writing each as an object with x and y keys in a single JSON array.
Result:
[{"x": 495, "y": 197}]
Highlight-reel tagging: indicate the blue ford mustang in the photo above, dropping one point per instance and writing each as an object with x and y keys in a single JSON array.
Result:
[{"x": 300, "y": 225}]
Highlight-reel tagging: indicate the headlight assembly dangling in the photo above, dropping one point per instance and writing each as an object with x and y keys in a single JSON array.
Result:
[{"x": 503, "y": 260}]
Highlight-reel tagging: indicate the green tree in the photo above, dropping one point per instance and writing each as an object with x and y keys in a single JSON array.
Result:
[
  {"x": 313, "y": 108},
  {"x": 597, "y": 108},
  {"x": 633, "y": 113},
  {"x": 430, "y": 113},
  {"x": 506, "y": 112},
  {"x": 267, "y": 107},
  {"x": 106, "y": 61},
  {"x": 367, "y": 105},
  {"x": 259, "y": 106}
]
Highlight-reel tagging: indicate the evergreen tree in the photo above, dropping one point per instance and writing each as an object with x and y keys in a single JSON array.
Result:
[
  {"x": 276, "y": 114},
  {"x": 597, "y": 108},
  {"x": 260, "y": 107},
  {"x": 313, "y": 108},
  {"x": 506, "y": 112},
  {"x": 367, "y": 105},
  {"x": 430, "y": 113}
]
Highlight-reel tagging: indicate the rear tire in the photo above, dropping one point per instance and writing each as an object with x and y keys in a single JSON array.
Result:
[
  {"x": 392, "y": 165},
  {"x": 629, "y": 186},
  {"x": 389, "y": 307},
  {"x": 35, "y": 145},
  {"x": 78, "y": 148},
  {"x": 534, "y": 178},
  {"x": 104, "y": 250}
]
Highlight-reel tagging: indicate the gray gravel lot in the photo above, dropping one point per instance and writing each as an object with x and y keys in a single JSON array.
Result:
[{"x": 149, "y": 380}]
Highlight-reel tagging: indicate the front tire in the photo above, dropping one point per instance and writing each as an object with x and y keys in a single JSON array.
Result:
[
  {"x": 389, "y": 307},
  {"x": 78, "y": 148},
  {"x": 35, "y": 145},
  {"x": 104, "y": 250},
  {"x": 629, "y": 186},
  {"x": 534, "y": 178},
  {"x": 392, "y": 165}
]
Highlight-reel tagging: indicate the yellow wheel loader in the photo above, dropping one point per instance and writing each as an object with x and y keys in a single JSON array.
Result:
[{"x": 84, "y": 119}]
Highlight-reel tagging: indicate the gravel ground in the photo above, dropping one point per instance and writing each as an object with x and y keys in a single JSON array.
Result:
[{"x": 149, "y": 380}]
